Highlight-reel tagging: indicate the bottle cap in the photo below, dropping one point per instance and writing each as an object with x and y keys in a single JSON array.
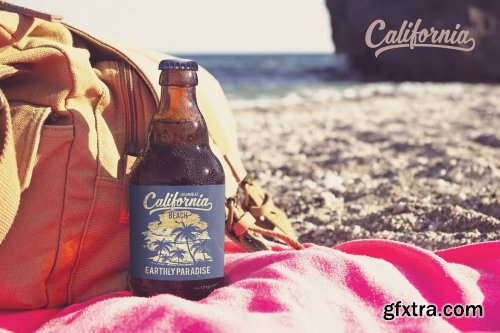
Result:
[{"x": 182, "y": 64}]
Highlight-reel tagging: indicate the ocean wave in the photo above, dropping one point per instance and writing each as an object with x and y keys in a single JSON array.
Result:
[
  {"x": 296, "y": 95},
  {"x": 268, "y": 80}
]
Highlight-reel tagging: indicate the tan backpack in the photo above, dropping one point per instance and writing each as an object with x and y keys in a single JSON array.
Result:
[{"x": 71, "y": 108}]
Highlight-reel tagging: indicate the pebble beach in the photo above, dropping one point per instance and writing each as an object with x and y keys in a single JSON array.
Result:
[{"x": 412, "y": 162}]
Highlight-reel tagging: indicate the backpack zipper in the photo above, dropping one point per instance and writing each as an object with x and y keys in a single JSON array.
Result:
[
  {"x": 131, "y": 146},
  {"x": 127, "y": 79}
]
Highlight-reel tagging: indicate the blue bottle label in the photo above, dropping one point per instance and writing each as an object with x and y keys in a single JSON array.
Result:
[{"x": 177, "y": 232}]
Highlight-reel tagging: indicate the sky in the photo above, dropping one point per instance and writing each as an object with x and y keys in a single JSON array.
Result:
[{"x": 202, "y": 26}]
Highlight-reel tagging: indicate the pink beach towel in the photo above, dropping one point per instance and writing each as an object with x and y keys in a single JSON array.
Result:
[{"x": 319, "y": 289}]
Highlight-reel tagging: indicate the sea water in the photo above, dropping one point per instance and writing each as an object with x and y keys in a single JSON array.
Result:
[{"x": 264, "y": 80}]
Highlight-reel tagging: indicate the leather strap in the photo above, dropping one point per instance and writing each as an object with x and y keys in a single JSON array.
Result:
[
  {"x": 253, "y": 225},
  {"x": 238, "y": 223},
  {"x": 234, "y": 161},
  {"x": 261, "y": 205},
  {"x": 242, "y": 224}
]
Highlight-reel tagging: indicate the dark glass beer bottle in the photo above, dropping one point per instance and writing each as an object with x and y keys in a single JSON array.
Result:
[{"x": 176, "y": 197}]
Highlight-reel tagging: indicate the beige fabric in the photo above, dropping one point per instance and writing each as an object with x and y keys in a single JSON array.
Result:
[
  {"x": 27, "y": 120},
  {"x": 10, "y": 191}
]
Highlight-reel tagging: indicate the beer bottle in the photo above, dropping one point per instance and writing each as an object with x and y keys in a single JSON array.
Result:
[{"x": 176, "y": 197}]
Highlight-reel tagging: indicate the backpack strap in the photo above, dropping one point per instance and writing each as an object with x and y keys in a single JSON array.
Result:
[
  {"x": 261, "y": 205},
  {"x": 256, "y": 221}
]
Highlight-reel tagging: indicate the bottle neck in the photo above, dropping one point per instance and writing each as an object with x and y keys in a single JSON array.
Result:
[
  {"x": 177, "y": 102},
  {"x": 178, "y": 95},
  {"x": 178, "y": 120}
]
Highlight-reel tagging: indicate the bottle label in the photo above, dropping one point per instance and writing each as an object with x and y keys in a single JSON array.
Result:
[{"x": 177, "y": 232}]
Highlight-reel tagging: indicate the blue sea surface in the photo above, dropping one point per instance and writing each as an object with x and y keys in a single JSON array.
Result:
[{"x": 255, "y": 79}]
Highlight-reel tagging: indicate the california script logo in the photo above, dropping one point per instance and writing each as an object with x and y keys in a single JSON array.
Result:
[
  {"x": 410, "y": 35},
  {"x": 176, "y": 201}
]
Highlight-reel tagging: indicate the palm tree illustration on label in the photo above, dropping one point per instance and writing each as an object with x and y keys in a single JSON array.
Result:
[
  {"x": 188, "y": 232},
  {"x": 179, "y": 254},
  {"x": 162, "y": 247},
  {"x": 179, "y": 238},
  {"x": 202, "y": 246}
]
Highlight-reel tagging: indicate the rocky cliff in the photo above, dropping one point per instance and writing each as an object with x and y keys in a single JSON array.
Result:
[{"x": 442, "y": 23}]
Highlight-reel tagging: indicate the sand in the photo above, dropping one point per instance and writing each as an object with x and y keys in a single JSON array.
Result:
[{"x": 417, "y": 163}]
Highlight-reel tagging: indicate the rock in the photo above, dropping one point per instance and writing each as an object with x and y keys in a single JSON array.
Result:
[
  {"x": 351, "y": 19},
  {"x": 309, "y": 184},
  {"x": 399, "y": 208},
  {"x": 328, "y": 198},
  {"x": 356, "y": 230},
  {"x": 333, "y": 182},
  {"x": 488, "y": 140}
]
